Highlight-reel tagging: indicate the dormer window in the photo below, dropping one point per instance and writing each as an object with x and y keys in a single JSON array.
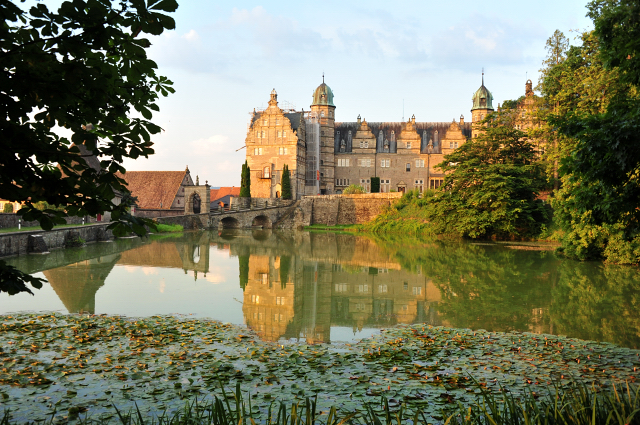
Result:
[
  {"x": 265, "y": 122},
  {"x": 408, "y": 145}
]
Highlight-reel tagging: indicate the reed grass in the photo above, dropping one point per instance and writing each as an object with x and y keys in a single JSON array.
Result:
[{"x": 580, "y": 405}]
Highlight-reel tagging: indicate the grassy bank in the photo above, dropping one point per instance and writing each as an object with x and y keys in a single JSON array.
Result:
[
  {"x": 169, "y": 228},
  {"x": 336, "y": 228},
  {"x": 55, "y": 365}
]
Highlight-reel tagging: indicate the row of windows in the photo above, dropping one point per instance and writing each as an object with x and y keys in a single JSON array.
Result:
[
  {"x": 453, "y": 145},
  {"x": 256, "y": 300},
  {"x": 384, "y": 163},
  {"x": 385, "y": 183},
  {"x": 263, "y": 134},
  {"x": 383, "y": 289},
  {"x": 259, "y": 151}
]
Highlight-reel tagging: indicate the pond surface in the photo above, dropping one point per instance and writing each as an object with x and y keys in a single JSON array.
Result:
[{"x": 326, "y": 287}]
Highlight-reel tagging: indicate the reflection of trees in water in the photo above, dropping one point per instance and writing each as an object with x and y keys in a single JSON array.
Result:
[
  {"x": 500, "y": 289},
  {"x": 596, "y": 301}
]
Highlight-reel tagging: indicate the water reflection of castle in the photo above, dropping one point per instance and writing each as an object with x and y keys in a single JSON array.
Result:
[{"x": 309, "y": 297}]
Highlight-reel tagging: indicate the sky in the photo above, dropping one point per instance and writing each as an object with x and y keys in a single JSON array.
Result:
[{"x": 383, "y": 60}]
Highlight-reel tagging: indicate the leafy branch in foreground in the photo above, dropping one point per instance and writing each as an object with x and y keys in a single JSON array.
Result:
[{"x": 71, "y": 80}]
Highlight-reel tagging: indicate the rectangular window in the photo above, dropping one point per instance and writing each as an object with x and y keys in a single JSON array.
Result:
[
  {"x": 262, "y": 134},
  {"x": 382, "y": 289},
  {"x": 419, "y": 163},
  {"x": 408, "y": 145},
  {"x": 364, "y": 143},
  {"x": 453, "y": 145},
  {"x": 284, "y": 133},
  {"x": 257, "y": 134},
  {"x": 343, "y": 162},
  {"x": 417, "y": 290},
  {"x": 408, "y": 166},
  {"x": 265, "y": 122},
  {"x": 385, "y": 163},
  {"x": 363, "y": 288},
  {"x": 282, "y": 151},
  {"x": 368, "y": 162},
  {"x": 257, "y": 151},
  {"x": 280, "y": 300},
  {"x": 277, "y": 121},
  {"x": 436, "y": 183},
  {"x": 278, "y": 133},
  {"x": 341, "y": 287}
]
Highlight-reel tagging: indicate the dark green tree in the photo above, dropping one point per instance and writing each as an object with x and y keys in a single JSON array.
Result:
[
  {"x": 83, "y": 68},
  {"x": 245, "y": 181},
  {"x": 8, "y": 208},
  {"x": 243, "y": 265},
  {"x": 285, "y": 264},
  {"x": 375, "y": 184},
  {"x": 286, "y": 182},
  {"x": 598, "y": 203},
  {"x": 491, "y": 184}
]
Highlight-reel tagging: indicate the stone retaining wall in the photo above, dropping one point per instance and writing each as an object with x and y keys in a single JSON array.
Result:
[
  {"x": 334, "y": 210},
  {"x": 19, "y": 243},
  {"x": 10, "y": 220}
]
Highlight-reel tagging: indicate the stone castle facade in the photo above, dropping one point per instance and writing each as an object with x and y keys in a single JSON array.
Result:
[{"x": 325, "y": 156}]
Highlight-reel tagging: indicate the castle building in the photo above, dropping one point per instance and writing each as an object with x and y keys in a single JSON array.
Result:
[{"x": 325, "y": 156}]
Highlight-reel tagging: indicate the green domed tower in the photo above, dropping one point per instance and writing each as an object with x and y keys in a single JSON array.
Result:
[
  {"x": 325, "y": 111},
  {"x": 482, "y": 104}
]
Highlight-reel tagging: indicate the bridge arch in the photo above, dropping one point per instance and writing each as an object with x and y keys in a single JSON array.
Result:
[
  {"x": 261, "y": 221},
  {"x": 230, "y": 223}
]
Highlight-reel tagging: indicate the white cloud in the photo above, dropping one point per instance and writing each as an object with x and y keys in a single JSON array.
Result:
[{"x": 481, "y": 40}]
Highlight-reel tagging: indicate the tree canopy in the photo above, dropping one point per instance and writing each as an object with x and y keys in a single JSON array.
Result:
[
  {"x": 597, "y": 205},
  {"x": 76, "y": 82},
  {"x": 491, "y": 184}
]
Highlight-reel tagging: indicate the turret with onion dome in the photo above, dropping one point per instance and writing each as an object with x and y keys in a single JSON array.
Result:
[
  {"x": 323, "y": 95},
  {"x": 482, "y": 105},
  {"x": 482, "y": 98}
]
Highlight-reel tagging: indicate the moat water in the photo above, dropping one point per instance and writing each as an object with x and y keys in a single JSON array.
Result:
[{"x": 326, "y": 287}]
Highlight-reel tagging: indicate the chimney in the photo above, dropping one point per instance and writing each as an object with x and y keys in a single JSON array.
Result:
[{"x": 461, "y": 119}]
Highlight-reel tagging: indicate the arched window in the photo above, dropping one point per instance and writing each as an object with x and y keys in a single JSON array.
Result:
[
  {"x": 266, "y": 172},
  {"x": 322, "y": 114}
]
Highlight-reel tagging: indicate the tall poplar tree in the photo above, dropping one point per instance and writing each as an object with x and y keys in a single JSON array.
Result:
[
  {"x": 245, "y": 181},
  {"x": 286, "y": 182}
]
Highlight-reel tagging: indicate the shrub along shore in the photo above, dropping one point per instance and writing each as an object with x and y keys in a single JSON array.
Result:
[{"x": 57, "y": 367}]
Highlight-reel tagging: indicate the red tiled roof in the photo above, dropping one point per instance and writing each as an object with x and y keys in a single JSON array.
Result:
[
  {"x": 154, "y": 189},
  {"x": 224, "y": 191}
]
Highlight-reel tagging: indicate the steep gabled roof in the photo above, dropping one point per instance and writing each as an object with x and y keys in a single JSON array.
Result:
[{"x": 154, "y": 189}]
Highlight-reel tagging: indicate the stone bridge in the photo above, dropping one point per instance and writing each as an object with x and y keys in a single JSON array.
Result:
[{"x": 266, "y": 217}]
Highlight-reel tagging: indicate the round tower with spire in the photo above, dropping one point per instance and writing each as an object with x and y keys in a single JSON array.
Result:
[
  {"x": 324, "y": 109},
  {"x": 482, "y": 105}
]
